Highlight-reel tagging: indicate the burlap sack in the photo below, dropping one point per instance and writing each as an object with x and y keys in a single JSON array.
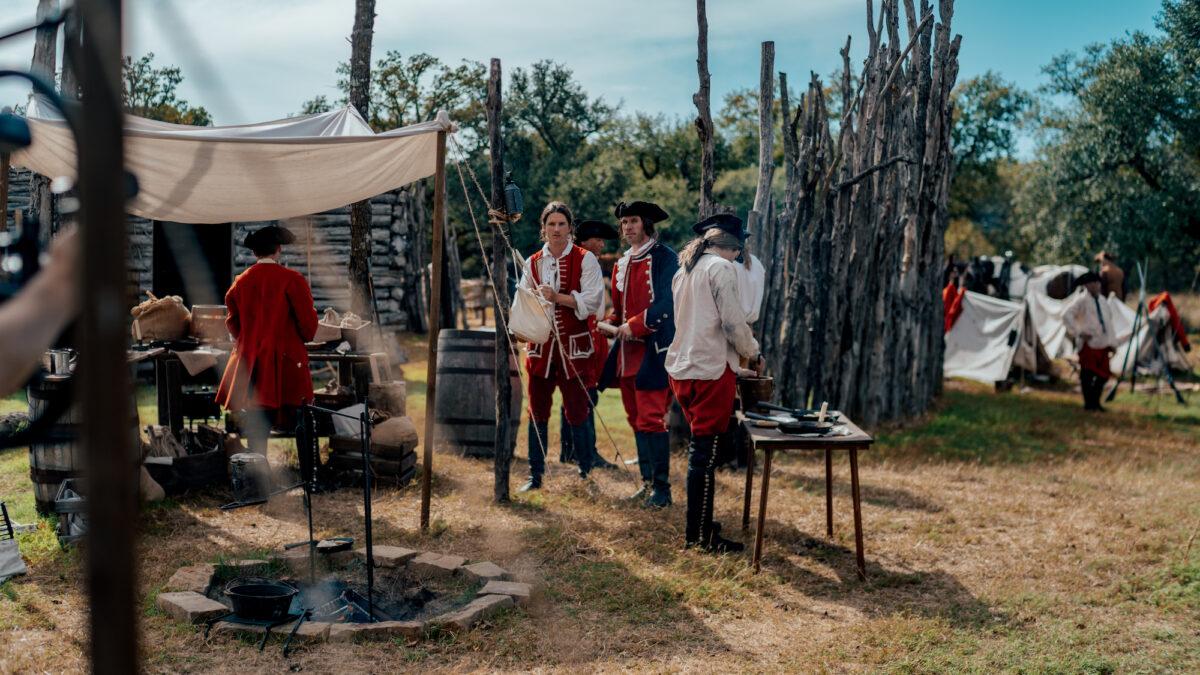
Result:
[{"x": 160, "y": 319}]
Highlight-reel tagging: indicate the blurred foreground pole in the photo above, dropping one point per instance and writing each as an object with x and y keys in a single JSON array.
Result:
[
  {"x": 503, "y": 440},
  {"x": 435, "y": 325},
  {"x": 106, "y": 435}
]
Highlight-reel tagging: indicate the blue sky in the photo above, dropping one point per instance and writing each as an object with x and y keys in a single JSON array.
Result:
[{"x": 251, "y": 61}]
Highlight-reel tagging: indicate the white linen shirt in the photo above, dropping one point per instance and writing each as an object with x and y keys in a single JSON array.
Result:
[
  {"x": 1081, "y": 318},
  {"x": 751, "y": 284},
  {"x": 589, "y": 299},
  {"x": 710, "y": 325}
]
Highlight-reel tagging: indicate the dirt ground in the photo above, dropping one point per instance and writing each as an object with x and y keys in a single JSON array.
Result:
[{"x": 1004, "y": 532}]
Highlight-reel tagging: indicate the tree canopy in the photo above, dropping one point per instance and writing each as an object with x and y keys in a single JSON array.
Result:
[{"x": 150, "y": 92}]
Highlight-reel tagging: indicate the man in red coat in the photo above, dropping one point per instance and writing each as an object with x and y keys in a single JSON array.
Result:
[{"x": 271, "y": 316}]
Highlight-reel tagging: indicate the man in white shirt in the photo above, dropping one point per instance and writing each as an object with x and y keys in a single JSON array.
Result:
[
  {"x": 569, "y": 278},
  {"x": 711, "y": 334},
  {"x": 1089, "y": 318}
]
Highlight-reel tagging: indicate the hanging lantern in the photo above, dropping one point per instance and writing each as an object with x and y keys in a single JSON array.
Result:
[{"x": 514, "y": 203}]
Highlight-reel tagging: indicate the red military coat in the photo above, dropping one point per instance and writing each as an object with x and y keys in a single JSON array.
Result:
[
  {"x": 271, "y": 316},
  {"x": 577, "y": 335}
]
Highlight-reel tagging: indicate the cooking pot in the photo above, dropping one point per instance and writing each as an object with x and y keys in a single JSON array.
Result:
[{"x": 260, "y": 599}]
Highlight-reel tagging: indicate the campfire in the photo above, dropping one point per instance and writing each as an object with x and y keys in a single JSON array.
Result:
[{"x": 327, "y": 597}]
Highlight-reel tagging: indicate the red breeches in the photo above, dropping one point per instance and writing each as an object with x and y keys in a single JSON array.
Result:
[
  {"x": 645, "y": 409},
  {"x": 574, "y": 397},
  {"x": 706, "y": 404}
]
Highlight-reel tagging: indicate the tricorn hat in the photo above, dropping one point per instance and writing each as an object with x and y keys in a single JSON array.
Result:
[
  {"x": 1085, "y": 278},
  {"x": 268, "y": 236},
  {"x": 595, "y": 229},
  {"x": 722, "y": 221},
  {"x": 649, "y": 212}
]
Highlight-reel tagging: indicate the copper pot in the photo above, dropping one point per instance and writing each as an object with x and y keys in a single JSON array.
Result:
[{"x": 754, "y": 390}]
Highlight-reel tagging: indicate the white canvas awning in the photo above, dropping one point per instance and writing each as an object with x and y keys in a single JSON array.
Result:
[{"x": 266, "y": 171}]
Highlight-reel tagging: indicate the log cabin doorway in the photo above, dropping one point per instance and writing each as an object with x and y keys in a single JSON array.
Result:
[{"x": 193, "y": 261}]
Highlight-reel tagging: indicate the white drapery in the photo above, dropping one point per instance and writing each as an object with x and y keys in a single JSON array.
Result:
[
  {"x": 981, "y": 344},
  {"x": 266, "y": 171}
]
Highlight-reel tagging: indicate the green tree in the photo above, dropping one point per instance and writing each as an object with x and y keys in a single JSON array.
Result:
[
  {"x": 151, "y": 93},
  {"x": 1119, "y": 165},
  {"x": 988, "y": 113}
]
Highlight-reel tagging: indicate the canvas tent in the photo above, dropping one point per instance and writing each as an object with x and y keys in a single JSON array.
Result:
[
  {"x": 252, "y": 172},
  {"x": 991, "y": 335}
]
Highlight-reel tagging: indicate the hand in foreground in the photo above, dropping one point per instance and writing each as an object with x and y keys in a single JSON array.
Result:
[
  {"x": 624, "y": 332},
  {"x": 548, "y": 293}
]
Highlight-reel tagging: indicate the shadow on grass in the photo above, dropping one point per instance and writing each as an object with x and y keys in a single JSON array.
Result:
[{"x": 886, "y": 592}]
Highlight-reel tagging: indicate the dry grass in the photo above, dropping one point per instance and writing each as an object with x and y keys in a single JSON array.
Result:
[{"x": 1004, "y": 532}]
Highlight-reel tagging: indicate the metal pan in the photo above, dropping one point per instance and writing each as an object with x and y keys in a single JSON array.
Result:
[{"x": 801, "y": 414}]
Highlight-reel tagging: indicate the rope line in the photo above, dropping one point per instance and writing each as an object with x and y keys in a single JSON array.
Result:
[{"x": 498, "y": 219}]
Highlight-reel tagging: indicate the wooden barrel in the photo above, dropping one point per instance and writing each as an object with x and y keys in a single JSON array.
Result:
[
  {"x": 465, "y": 404},
  {"x": 56, "y": 457},
  {"x": 53, "y": 458}
]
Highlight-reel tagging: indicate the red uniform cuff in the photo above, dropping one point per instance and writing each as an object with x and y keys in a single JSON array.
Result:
[{"x": 638, "y": 325}]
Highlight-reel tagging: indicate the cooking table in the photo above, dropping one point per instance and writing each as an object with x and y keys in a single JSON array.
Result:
[{"x": 772, "y": 440}]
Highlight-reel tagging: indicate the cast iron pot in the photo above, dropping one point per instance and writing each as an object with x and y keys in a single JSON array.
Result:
[{"x": 260, "y": 599}]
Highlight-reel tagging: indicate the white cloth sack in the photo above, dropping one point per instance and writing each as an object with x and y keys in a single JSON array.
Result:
[
  {"x": 343, "y": 426},
  {"x": 11, "y": 563},
  {"x": 981, "y": 344},
  {"x": 266, "y": 171},
  {"x": 529, "y": 318}
]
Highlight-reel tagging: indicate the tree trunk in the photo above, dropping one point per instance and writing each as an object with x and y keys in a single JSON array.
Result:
[
  {"x": 360, "y": 212},
  {"x": 704, "y": 123},
  {"x": 759, "y": 224},
  {"x": 499, "y": 265}
]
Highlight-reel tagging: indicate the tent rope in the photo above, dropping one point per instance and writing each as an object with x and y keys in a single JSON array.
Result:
[{"x": 499, "y": 219}]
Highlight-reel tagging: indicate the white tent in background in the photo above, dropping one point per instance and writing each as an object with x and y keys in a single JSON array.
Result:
[
  {"x": 265, "y": 171},
  {"x": 992, "y": 335},
  {"x": 982, "y": 343}
]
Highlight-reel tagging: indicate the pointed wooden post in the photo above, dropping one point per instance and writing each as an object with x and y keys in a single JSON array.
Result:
[
  {"x": 503, "y": 451},
  {"x": 435, "y": 323}
]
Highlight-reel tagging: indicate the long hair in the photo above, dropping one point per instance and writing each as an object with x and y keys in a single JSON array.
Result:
[
  {"x": 557, "y": 207},
  {"x": 714, "y": 238}
]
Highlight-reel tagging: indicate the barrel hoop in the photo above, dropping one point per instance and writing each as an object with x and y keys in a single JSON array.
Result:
[
  {"x": 474, "y": 350},
  {"x": 40, "y": 475},
  {"x": 443, "y": 370},
  {"x": 468, "y": 421},
  {"x": 470, "y": 443}
]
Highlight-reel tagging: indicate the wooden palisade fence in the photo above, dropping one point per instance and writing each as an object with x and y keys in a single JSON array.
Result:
[{"x": 851, "y": 313}]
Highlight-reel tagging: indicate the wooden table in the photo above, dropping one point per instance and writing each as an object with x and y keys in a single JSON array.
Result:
[{"x": 772, "y": 440}]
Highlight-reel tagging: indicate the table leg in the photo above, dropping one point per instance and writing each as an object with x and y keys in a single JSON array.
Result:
[
  {"x": 160, "y": 390},
  {"x": 828, "y": 492},
  {"x": 858, "y": 536},
  {"x": 749, "y": 486},
  {"x": 174, "y": 385},
  {"x": 762, "y": 508}
]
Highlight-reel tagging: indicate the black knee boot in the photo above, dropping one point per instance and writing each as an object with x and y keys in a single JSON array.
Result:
[
  {"x": 645, "y": 465},
  {"x": 579, "y": 436},
  {"x": 537, "y": 455},
  {"x": 660, "y": 453},
  {"x": 566, "y": 446},
  {"x": 698, "y": 485}
]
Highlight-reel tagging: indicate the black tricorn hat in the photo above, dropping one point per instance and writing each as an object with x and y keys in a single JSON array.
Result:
[
  {"x": 1085, "y": 278},
  {"x": 649, "y": 212},
  {"x": 595, "y": 229},
  {"x": 722, "y": 221},
  {"x": 271, "y": 235}
]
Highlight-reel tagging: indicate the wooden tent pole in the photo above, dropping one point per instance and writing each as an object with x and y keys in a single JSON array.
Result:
[{"x": 435, "y": 322}]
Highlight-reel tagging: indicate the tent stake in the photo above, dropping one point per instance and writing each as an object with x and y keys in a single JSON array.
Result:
[{"x": 435, "y": 323}]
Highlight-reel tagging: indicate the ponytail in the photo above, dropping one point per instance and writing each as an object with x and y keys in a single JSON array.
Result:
[{"x": 714, "y": 238}]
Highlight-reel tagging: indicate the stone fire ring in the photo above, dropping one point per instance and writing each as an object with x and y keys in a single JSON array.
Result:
[{"x": 183, "y": 597}]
